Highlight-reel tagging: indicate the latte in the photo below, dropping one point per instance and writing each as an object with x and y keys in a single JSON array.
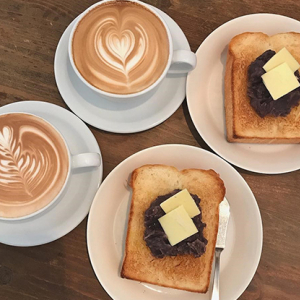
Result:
[
  {"x": 34, "y": 164},
  {"x": 120, "y": 47}
]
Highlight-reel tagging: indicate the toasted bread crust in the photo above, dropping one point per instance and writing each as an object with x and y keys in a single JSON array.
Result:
[
  {"x": 183, "y": 272},
  {"x": 243, "y": 124},
  {"x": 229, "y": 97}
]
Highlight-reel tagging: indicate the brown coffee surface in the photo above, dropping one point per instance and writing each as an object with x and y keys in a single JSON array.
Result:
[
  {"x": 34, "y": 164},
  {"x": 120, "y": 47}
]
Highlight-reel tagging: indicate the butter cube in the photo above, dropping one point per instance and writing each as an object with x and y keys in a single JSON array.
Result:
[
  {"x": 281, "y": 57},
  {"x": 280, "y": 81},
  {"x": 177, "y": 225},
  {"x": 182, "y": 198}
]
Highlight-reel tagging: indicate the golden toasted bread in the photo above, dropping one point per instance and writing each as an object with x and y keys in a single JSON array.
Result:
[
  {"x": 243, "y": 124},
  {"x": 183, "y": 272}
]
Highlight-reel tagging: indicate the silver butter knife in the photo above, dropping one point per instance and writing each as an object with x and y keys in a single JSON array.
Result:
[{"x": 224, "y": 213}]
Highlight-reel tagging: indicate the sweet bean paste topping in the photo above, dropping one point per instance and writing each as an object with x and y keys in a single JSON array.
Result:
[
  {"x": 157, "y": 240},
  {"x": 260, "y": 98}
]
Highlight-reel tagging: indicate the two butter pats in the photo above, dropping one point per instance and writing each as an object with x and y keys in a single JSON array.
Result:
[
  {"x": 280, "y": 78},
  {"x": 177, "y": 223}
]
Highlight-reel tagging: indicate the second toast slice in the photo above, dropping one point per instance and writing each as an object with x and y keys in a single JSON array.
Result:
[{"x": 243, "y": 124}]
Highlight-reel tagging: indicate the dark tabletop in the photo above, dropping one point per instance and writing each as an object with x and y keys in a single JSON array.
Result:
[{"x": 29, "y": 33}]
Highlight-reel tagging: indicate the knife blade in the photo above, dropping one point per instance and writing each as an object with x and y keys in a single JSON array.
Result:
[{"x": 224, "y": 214}]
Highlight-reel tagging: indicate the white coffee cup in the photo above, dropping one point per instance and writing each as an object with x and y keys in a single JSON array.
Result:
[
  {"x": 77, "y": 161},
  {"x": 179, "y": 61}
]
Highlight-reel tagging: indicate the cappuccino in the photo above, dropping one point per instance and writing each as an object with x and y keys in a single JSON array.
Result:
[
  {"x": 34, "y": 164},
  {"x": 120, "y": 47}
]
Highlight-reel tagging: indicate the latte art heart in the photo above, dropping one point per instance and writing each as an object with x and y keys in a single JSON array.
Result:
[
  {"x": 33, "y": 164},
  {"x": 115, "y": 50},
  {"x": 120, "y": 47}
]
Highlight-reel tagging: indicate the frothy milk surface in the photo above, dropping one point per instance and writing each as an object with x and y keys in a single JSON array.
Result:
[
  {"x": 34, "y": 164},
  {"x": 120, "y": 47}
]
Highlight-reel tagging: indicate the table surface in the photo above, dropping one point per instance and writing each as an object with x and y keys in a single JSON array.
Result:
[{"x": 29, "y": 33}]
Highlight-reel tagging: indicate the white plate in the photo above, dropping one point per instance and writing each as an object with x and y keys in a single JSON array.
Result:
[
  {"x": 107, "y": 223},
  {"x": 205, "y": 98},
  {"x": 129, "y": 117},
  {"x": 74, "y": 204}
]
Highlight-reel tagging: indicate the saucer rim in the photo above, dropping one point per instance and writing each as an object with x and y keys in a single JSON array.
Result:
[
  {"x": 45, "y": 212},
  {"x": 132, "y": 129}
]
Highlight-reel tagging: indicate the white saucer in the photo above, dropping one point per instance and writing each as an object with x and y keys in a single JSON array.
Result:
[
  {"x": 120, "y": 117},
  {"x": 73, "y": 206},
  {"x": 205, "y": 98},
  {"x": 107, "y": 223}
]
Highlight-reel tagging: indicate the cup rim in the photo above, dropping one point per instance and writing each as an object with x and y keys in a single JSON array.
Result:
[
  {"x": 66, "y": 179},
  {"x": 113, "y": 95}
]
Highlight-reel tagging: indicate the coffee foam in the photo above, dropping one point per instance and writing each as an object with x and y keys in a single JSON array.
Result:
[
  {"x": 34, "y": 164},
  {"x": 120, "y": 47}
]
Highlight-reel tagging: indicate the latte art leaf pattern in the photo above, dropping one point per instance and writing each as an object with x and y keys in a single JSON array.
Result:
[
  {"x": 120, "y": 47},
  {"x": 14, "y": 167},
  {"x": 33, "y": 164}
]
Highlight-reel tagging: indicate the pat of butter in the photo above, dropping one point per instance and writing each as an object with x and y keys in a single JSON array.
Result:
[
  {"x": 177, "y": 225},
  {"x": 280, "y": 81},
  {"x": 281, "y": 57},
  {"x": 182, "y": 198}
]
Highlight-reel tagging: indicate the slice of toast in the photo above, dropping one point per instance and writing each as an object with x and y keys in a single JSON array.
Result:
[
  {"x": 243, "y": 124},
  {"x": 183, "y": 272}
]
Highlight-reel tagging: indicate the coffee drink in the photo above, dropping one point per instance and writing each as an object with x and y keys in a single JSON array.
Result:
[
  {"x": 34, "y": 164},
  {"x": 120, "y": 47}
]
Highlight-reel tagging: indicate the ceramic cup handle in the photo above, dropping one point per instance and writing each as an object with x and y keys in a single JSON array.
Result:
[
  {"x": 86, "y": 160},
  {"x": 183, "y": 61}
]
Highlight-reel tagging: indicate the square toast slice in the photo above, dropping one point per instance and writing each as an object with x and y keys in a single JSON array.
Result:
[
  {"x": 183, "y": 272},
  {"x": 243, "y": 124}
]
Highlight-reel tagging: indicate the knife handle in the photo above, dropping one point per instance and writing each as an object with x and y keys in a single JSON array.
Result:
[{"x": 215, "y": 293}]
